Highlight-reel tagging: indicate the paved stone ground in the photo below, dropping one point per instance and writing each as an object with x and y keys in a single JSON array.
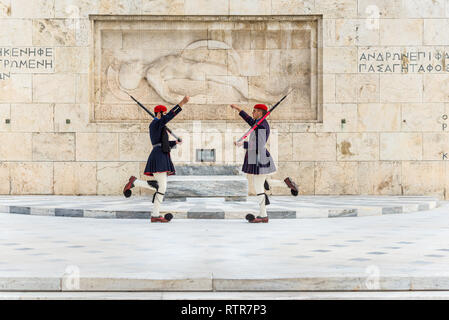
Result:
[
  {"x": 216, "y": 208},
  {"x": 389, "y": 252}
]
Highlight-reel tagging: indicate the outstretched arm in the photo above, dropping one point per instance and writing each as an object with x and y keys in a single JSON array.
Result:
[
  {"x": 236, "y": 107},
  {"x": 174, "y": 111},
  {"x": 184, "y": 101},
  {"x": 248, "y": 119}
]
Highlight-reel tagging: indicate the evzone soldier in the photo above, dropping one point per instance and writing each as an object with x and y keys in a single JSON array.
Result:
[
  {"x": 159, "y": 164},
  {"x": 258, "y": 161}
]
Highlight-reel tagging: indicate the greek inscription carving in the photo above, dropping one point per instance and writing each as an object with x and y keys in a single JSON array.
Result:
[
  {"x": 379, "y": 60},
  {"x": 25, "y": 60}
]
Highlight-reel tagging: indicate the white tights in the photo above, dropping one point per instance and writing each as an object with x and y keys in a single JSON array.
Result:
[
  {"x": 258, "y": 181},
  {"x": 276, "y": 183},
  {"x": 161, "y": 178}
]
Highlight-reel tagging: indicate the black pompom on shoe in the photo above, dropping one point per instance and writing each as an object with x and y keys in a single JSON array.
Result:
[{"x": 250, "y": 217}]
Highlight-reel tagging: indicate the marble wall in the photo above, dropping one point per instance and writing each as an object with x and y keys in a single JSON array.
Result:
[{"x": 376, "y": 122}]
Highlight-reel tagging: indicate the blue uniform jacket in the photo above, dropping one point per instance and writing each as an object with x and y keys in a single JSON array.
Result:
[
  {"x": 257, "y": 158},
  {"x": 159, "y": 161}
]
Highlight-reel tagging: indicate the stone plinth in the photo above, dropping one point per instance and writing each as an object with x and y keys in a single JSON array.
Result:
[
  {"x": 201, "y": 181},
  {"x": 194, "y": 170}
]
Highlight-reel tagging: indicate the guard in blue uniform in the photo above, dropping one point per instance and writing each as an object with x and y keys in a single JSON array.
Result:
[
  {"x": 258, "y": 161},
  {"x": 257, "y": 158},
  {"x": 159, "y": 160},
  {"x": 159, "y": 164}
]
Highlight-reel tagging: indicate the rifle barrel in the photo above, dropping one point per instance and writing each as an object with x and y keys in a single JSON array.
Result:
[
  {"x": 263, "y": 118},
  {"x": 154, "y": 116}
]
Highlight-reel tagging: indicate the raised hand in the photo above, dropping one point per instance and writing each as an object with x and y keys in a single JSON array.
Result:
[
  {"x": 184, "y": 101},
  {"x": 236, "y": 107}
]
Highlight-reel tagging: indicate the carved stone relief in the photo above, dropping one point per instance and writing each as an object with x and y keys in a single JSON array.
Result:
[{"x": 215, "y": 63}]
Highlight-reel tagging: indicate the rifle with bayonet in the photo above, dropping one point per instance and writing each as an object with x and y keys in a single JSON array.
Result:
[
  {"x": 262, "y": 119},
  {"x": 153, "y": 115}
]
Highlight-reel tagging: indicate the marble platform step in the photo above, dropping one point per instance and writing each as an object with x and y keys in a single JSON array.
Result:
[
  {"x": 231, "y": 187},
  {"x": 281, "y": 207},
  {"x": 207, "y": 181},
  {"x": 208, "y": 170},
  {"x": 208, "y": 283}
]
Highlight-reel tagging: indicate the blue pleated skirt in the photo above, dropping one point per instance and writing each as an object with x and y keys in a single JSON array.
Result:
[
  {"x": 258, "y": 168},
  {"x": 159, "y": 161}
]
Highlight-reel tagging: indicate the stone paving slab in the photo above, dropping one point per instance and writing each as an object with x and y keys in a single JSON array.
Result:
[
  {"x": 27, "y": 283},
  {"x": 117, "y": 283},
  {"x": 386, "y": 252},
  {"x": 281, "y": 207},
  {"x": 217, "y": 295},
  {"x": 142, "y": 284}
]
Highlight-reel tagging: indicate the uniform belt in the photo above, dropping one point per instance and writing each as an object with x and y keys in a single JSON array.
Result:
[{"x": 157, "y": 145}]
